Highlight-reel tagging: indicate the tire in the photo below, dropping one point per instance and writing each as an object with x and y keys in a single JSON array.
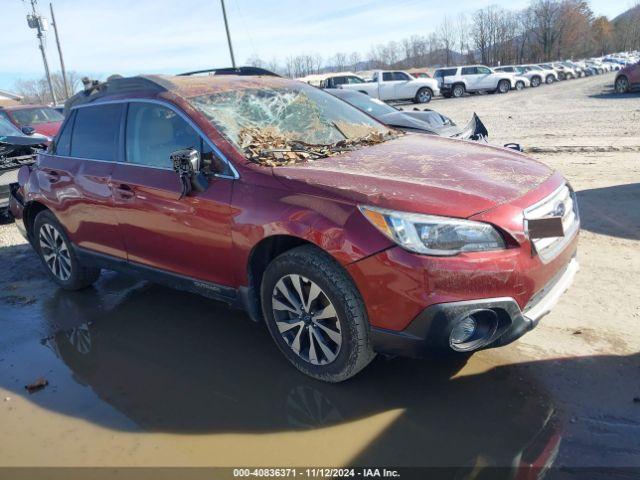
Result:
[
  {"x": 562, "y": 76},
  {"x": 333, "y": 348},
  {"x": 535, "y": 81},
  {"x": 549, "y": 80},
  {"x": 458, "y": 90},
  {"x": 58, "y": 256},
  {"x": 424, "y": 95},
  {"x": 520, "y": 85},
  {"x": 622, "y": 84},
  {"x": 503, "y": 86}
]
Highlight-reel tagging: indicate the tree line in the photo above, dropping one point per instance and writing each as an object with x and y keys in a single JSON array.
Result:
[{"x": 544, "y": 31}]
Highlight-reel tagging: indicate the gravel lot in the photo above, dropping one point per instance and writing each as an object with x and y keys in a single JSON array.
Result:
[{"x": 149, "y": 381}]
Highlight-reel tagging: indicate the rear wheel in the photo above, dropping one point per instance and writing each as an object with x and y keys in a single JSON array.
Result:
[
  {"x": 622, "y": 84},
  {"x": 458, "y": 90},
  {"x": 424, "y": 95},
  {"x": 57, "y": 255},
  {"x": 315, "y": 315},
  {"x": 503, "y": 86}
]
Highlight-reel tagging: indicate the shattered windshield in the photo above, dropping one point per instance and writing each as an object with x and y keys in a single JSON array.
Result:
[{"x": 289, "y": 124}]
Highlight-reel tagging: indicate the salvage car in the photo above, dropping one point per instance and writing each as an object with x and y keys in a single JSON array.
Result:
[
  {"x": 16, "y": 149},
  {"x": 456, "y": 81},
  {"x": 397, "y": 85},
  {"x": 424, "y": 121},
  {"x": 628, "y": 78},
  {"x": 344, "y": 236},
  {"x": 33, "y": 118}
]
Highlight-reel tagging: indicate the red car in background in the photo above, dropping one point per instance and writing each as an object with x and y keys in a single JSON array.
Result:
[
  {"x": 346, "y": 237},
  {"x": 34, "y": 118},
  {"x": 628, "y": 78}
]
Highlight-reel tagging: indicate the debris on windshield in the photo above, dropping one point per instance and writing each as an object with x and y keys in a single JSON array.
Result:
[{"x": 267, "y": 146}]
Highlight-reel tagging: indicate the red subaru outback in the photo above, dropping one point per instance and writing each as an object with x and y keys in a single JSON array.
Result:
[{"x": 346, "y": 237}]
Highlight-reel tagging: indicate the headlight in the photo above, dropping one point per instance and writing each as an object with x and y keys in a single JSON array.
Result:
[{"x": 433, "y": 235}]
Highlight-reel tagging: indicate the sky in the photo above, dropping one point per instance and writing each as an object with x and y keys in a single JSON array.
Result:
[{"x": 101, "y": 37}]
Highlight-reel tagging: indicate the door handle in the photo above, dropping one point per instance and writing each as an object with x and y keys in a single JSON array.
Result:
[{"x": 125, "y": 192}]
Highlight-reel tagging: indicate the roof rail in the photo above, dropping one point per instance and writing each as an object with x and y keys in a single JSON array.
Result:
[{"x": 244, "y": 71}]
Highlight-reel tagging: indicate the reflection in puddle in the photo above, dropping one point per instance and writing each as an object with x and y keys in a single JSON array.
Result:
[{"x": 174, "y": 362}]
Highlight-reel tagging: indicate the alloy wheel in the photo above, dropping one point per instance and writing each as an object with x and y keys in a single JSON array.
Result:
[
  {"x": 306, "y": 319},
  {"x": 424, "y": 96},
  {"x": 519, "y": 86},
  {"x": 55, "y": 252},
  {"x": 622, "y": 85}
]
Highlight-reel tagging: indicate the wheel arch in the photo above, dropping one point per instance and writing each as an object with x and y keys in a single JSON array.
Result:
[
  {"x": 260, "y": 256},
  {"x": 30, "y": 212}
]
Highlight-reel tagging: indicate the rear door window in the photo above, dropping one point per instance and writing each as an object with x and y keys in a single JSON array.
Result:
[
  {"x": 469, "y": 71},
  {"x": 96, "y": 132}
]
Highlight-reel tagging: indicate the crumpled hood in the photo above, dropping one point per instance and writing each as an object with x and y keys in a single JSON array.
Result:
[{"x": 422, "y": 174}]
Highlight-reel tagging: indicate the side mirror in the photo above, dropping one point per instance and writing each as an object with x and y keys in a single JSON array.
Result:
[
  {"x": 186, "y": 163},
  {"x": 28, "y": 130}
]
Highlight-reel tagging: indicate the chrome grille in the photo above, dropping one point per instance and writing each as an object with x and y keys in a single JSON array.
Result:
[{"x": 561, "y": 203}]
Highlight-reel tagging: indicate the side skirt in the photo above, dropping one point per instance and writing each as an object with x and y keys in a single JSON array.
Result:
[{"x": 211, "y": 290}]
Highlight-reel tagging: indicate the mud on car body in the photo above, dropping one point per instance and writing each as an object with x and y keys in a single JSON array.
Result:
[{"x": 346, "y": 237}]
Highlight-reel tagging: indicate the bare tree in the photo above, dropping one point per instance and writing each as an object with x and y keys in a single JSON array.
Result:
[{"x": 37, "y": 91}]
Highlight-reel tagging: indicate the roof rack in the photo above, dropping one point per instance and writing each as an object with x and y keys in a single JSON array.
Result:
[{"x": 244, "y": 71}]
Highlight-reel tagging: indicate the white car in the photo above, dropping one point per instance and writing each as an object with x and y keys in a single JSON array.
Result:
[
  {"x": 538, "y": 74},
  {"x": 396, "y": 85},
  {"x": 456, "y": 81},
  {"x": 521, "y": 80}
]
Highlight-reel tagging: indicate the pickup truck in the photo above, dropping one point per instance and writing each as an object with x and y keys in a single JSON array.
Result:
[{"x": 397, "y": 85}]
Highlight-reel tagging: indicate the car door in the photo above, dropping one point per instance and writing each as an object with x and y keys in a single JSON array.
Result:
[
  {"x": 486, "y": 78},
  {"x": 388, "y": 86},
  {"x": 470, "y": 76},
  {"x": 403, "y": 87},
  {"x": 188, "y": 236},
  {"x": 76, "y": 177}
]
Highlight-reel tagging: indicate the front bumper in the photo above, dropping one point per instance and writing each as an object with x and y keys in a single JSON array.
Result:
[{"x": 432, "y": 327}]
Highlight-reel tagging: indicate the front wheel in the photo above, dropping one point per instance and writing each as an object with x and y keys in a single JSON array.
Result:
[
  {"x": 57, "y": 255},
  {"x": 622, "y": 84},
  {"x": 535, "y": 81},
  {"x": 458, "y": 91},
  {"x": 315, "y": 315},
  {"x": 549, "y": 79},
  {"x": 424, "y": 95},
  {"x": 503, "y": 86},
  {"x": 519, "y": 85}
]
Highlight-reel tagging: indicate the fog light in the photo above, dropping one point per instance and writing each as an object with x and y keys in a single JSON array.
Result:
[{"x": 463, "y": 331}]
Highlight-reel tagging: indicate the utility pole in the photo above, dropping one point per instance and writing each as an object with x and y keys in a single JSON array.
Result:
[
  {"x": 37, "y": 22},
  {"x": 226, "y": 26},
  {"x": 64, "y": 72}
]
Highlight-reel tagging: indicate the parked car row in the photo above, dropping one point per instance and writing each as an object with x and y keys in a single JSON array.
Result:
[{"x": 418, "y": 87}]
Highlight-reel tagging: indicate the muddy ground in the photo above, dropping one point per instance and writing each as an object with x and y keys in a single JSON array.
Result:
[{"x": 140, "y": 375}]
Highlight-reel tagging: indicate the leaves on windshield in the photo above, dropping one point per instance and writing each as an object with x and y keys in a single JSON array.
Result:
[
  {"x": 270, "y": 147},
  {"x": 282, "y": 126}
]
